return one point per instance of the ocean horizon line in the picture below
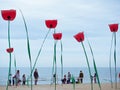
(58, 67)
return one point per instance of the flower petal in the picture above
(9, 50)
(57, 36)
(113, 27)
(51, 23)
(8, 14)
(79, 37)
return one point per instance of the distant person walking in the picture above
(81, 76)
(23, 79)
(94, 78)
(36, 76)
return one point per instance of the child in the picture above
(23, 79)
(64, 80)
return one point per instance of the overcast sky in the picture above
(90, 16)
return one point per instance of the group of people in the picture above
(67, 80)
(17, 81)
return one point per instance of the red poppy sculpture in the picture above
(28, 48)
(113, 28)
(8, 15)
(57, 37)
(80, 38)
(51, 24)
(9, 50)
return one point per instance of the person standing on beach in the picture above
(81, 76)
(54, 77)
(36, 76)
(69, 77)
(94, 78)
(23, 79)
(13, 80)
(64, 80)
(17, 77)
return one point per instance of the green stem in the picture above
(73, 81)
(9, 34)
(61, 60)
(110, 63)
(115, 60)
(31, 75)
(88, 65)
(95, 67)
(9, 72)
(15, 63)
(55, 63)
(39, 52)
(28, 46)
(53, 67)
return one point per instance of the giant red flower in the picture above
(57, 36)
(8, 14)
(113, 27)
(51, 23)
(79, 37)
(9, 50)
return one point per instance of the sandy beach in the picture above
(106, 86)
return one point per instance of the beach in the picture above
(104, 86)
(44, 82)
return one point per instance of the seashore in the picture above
(86, 86)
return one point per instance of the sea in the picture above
(46, 77)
